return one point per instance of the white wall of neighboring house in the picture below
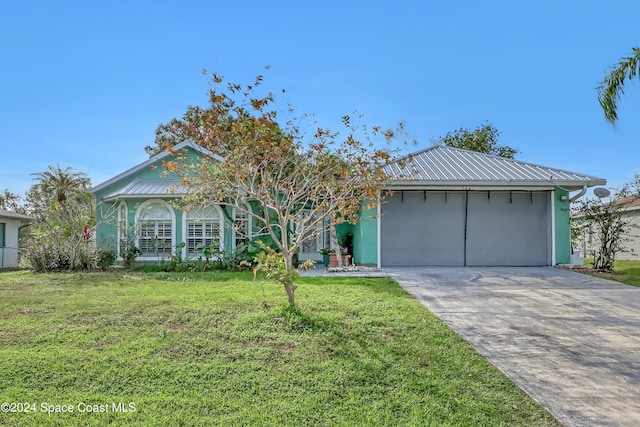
(588, 242)
(632, 245)
(9, 251)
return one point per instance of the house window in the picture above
(122, 228)
(315, 234)
(203, 227)
(155, 221)
(2, 231)
(241, 228)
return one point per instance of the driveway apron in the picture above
(571, 341)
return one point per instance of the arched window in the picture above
(154, 220)
(122, 227)
(203, 227)
(241, 228)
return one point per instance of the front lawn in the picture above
(625, 271)
(200, 349)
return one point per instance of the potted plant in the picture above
(346, 247)
(333, 256)
(325, 255)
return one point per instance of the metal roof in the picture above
(154, 159)
(440, 165)
(142, 188)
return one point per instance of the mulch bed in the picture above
(589, 270)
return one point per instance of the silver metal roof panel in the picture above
(154, 159)
(440, 164)
(142, 188)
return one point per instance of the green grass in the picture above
(624, 271)
(200, 349)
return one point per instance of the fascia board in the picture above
(405, 184)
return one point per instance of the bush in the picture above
(243, 258)
(60, 253)
(106, 259)
(42, 256)
(129, 252)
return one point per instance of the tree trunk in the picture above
(287, 282)
(290, 288)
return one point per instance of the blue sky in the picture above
(84, 83)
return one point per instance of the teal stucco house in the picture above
(141, 206)
(441, 206)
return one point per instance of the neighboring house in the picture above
(632, 243)
(442, 206)
(587, 242)
(10, 226)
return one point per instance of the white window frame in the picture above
(123, 226)
(185, 230)
(139, 213)
(320, 242)
(248, 231)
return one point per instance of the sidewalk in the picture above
(358, 271)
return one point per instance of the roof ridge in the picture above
(440, 163)
(406, 156)
(491, 156)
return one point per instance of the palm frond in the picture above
(612, 87)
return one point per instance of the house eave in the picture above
(117, 197)
(489, 185)
(15, 216)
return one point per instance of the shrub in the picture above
(129, 252)
(42, 256)
(243, 258)
(106, 259)
(54, 253)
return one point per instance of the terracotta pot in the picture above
(333, 260)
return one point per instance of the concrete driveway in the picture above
(571, 341)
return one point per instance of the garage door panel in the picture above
(510, 229)
(502, 228)
(419, 230)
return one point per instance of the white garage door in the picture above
(475, 228)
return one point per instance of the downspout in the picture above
(580, 194)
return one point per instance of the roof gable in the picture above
(130, 173)
(454, 166)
